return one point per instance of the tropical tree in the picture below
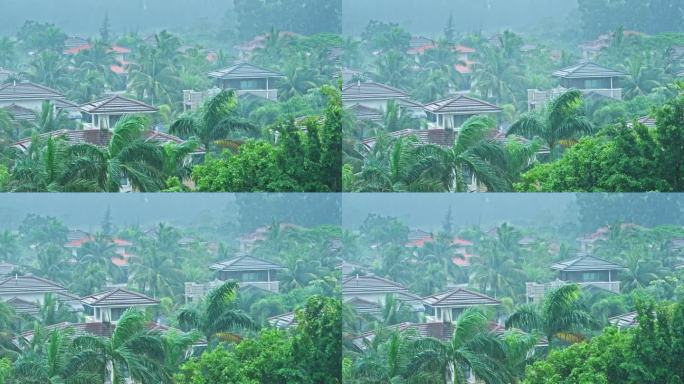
(127, 156)
(49, 69)
(472, 349)
(494, 75)
(50, 119)
(562, 122)
(217, 316)
(134, 351)
(218, 121)
(393, 69)
(560, 317)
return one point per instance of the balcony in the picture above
(193, 99)
(196, 291)
(535, 291)
(537, 99)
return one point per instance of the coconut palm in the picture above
(560, 317)
(7, 52)
(474, 156)
(98, 58)
(392, 69)
(218, 121)
(396, 118)
(49, 69)
(385, 359)
(217, 316)
(177, 158)
(473, 349)
(134, 351)
(494, 75)
(50, 119)
(128, 155)
(154, 272)
(641, 77)
(100, 252)
(153, 77)
(50, 358)
(561, 123)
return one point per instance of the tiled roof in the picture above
(365, 113)
(16, 91)
(28, 284)
(461, 105)
(98, 137)
(587, 70)
(245, 263)
(647, 121)
(6, 268)
(443, 137)
(118, 297)
(626, 320)
(283, 321)
(117, 105)
(20, 113)
(459, 298)
(364, 306)
(244, 71)
(586, 263)
(22, 306)
(370, 284)
(370, 90)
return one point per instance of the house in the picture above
(583, 270)
(19, 113)
(248, 270)
(7, 269)
(349, 268)
(648, 121)
(108, 306)
(244, 269)
(452, 112)
(588, 77)
(243, 77)
(448, 306)
(74, 41)
(363, 112)
(104, 113)
(376, 96)
(21, 290)
(248, 78)
(29, 95)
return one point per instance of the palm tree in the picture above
(397, 118)
(154, 272)
(128, 155)
(392, 69)
(9, 246)
(48, 68)
(385, 359)
(176, 158)
(297, 81)
(561, 122)
(53, 311)
(153, 77)
(561, 316)
(50, 119)
(7, 52)
(473, 349)
(641, 78)
(474, 155)
(218, 121)
(52, 359)
(217, 315)
(99, 253)
(494, 76)
(98, 58)
(134, 351)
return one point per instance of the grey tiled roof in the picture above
(20, 113)
(459, 298)
(244, 71)
(285, 320)
(370, 90)
(118, 297)
(626, 320)
(365, 113)
(27, 91)
(364, 306)
(587, 70)
(245, 263)
(353, 285)
(443, 137)
(117, 105)
(461, 105)
(22, 306)
(586, 263)
(98, 137)
(28, 284)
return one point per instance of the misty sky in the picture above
(428, 17)
(85, 16)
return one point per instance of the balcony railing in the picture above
(193, 99)
(537, 98)
(196, 291)
(536, 291)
